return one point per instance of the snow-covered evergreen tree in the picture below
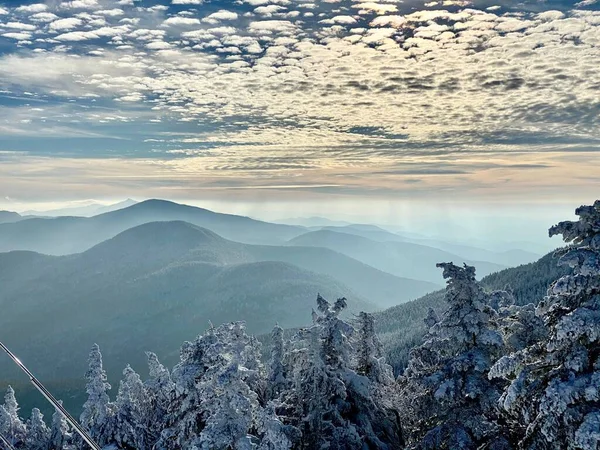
(12, 426)
(214, 406)
(230, 408)
(333, 404)
(97, 410)
(38, 433)
(128, 423)
(274, 435)
(554, 391)
(276, 378)
(60, 436)
(159, 390)
(448, 400)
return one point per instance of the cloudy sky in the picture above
(298, 100)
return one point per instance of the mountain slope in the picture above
(398, 258)
(148, 288)
(66, 235)
(9, 217)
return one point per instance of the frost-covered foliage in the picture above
(329, 401)
(555, 384)
(217, 387)
(97, 410)
(38, 433)
(159, 390)
(60, 436)
(276, 377)
(448, 401)
(12, 426)
(127, 427)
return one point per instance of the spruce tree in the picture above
(554, 394)
(60, 436)
(12, 426)
(448, 400)
(38, 433)
(97, 410)
(128, 423)
(159, 390)
(276, 378)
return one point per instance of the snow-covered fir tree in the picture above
(276, 378)
(12, 426)
(330, 402)
(127, 427)
(555, 384)
(159, 390)
(448, 401)
(60, 436)
(217, 385)
(97, 410)
(38, 433)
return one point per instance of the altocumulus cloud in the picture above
(353, 90)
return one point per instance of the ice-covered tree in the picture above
(128, 423)
(449, 401)
(12, 426)
(554, 392)
(333, 404)
(274, 435)
(276, 377)
(97, 410)
(159, 390)
(369, 352)
(214, 406)
(230, 408)
(60, 436)
(38, 433)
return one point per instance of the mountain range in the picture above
(161, 283)
(154, 273)
(66, 235)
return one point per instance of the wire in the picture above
(6, 443)
(46, 393)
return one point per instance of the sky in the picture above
(337, 104)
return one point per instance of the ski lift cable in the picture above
(6, 443)
(40, 387)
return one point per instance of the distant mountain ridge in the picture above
(9, 217)
(66, 235)
(398, 258)
(91, 209)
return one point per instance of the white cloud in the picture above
(378, 8)
(65, 24)
(18, 36)
(181, 21)
(271, 26)
(388, 21)
(187, 2)
(80, 4)
(221, 15)
(33, 8)
(115, 12)
(43, 17)
(19, 26)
